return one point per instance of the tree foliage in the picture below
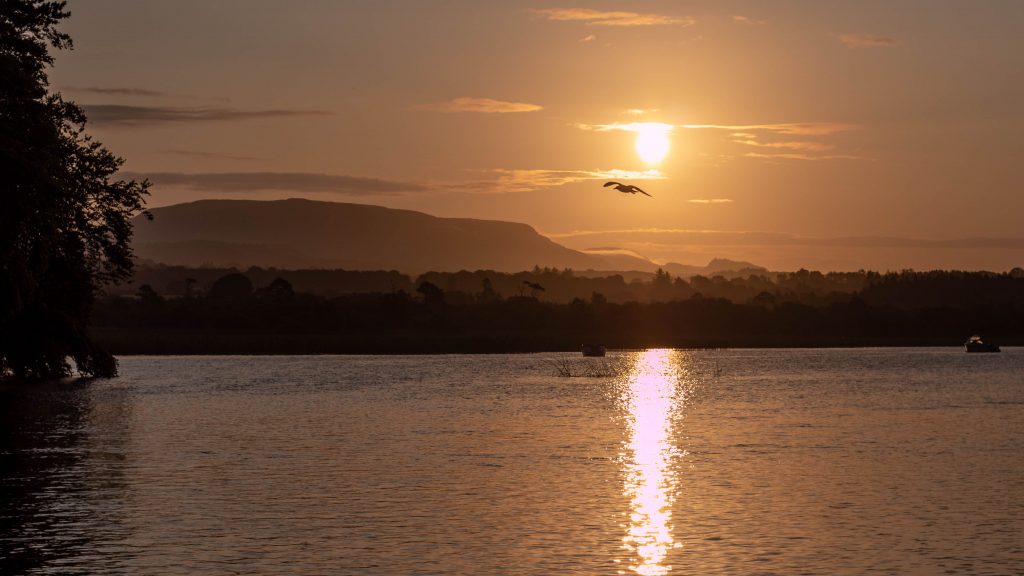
(65, 219)
(905, 308)
(231, 288)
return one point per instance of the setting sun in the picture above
(652, 142)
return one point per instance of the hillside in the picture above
(300, 233)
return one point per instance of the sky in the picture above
(823, 135)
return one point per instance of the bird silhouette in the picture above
(626, 188)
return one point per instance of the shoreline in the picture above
(252, 343)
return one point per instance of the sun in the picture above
(652, 143)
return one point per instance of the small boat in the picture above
(974, 344)
(593, 350)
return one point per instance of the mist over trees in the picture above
(65, 221)
(906, 289)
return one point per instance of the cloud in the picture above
(612, 250)
(501, 181)
(747, 134)
(239, 182)
(683, 236)
(528, 180)
(710, 201)
(747, 20)
(799, 156)
(141, 92)
(119, 115)
(588, 38)
(606, 18)
(791, 128)
(482, 105)
(115, 91)
(627, 126)
(780, 251)
(216, 155)
(866, 40)
(696, 236)
(805, 146)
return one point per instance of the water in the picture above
(892, 461)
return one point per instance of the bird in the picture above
(626, 188)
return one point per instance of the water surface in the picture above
(892, 461)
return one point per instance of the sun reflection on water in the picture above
(649, 396)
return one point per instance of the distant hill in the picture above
(717, 266)
(300, 233)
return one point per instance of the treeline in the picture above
(175, 281)
(901, 289)
(799, 309)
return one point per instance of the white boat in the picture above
(975, 344)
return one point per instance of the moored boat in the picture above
(975, 344)
(593, 350)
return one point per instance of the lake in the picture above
(831, 461)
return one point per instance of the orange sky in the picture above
(831, 135)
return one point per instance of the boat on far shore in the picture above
(593, 350)
(975, 344)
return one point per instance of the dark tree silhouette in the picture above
(534, 287)
(232, 287)
(432, 294)
(65, 221)
(487, 292)
(905, 308)
(149, 296)
(278, 291)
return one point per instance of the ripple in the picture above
(785, 462)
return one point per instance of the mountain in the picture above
(298, 233)
(717, 266)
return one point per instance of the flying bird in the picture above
(626, 188)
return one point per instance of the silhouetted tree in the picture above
(765, 299)
(431, 293)
(487, 292)
(278, 291)
(661, 286)
(534, 287)
(65, 221)
(149, 296)
(232, 287)
(906, 307)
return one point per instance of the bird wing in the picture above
(637, 189)
(607, 184)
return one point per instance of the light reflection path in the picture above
(650, 399)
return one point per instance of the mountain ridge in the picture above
(301, 233)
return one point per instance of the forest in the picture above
(263, 311)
